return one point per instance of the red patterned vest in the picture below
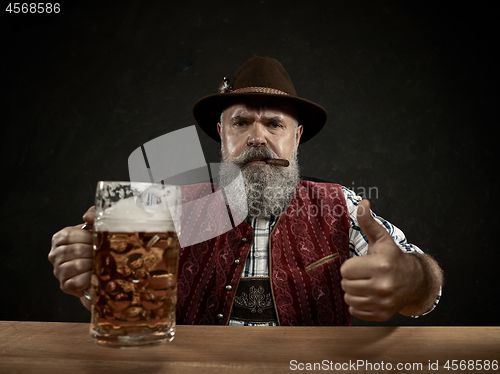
(308, 245)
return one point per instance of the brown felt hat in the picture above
(258, 77)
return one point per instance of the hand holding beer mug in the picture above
(134, 280)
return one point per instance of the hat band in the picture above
(266, 90)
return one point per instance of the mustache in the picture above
(252, 153)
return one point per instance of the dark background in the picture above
(410, 87)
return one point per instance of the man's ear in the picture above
(298, 134)
(219, 129)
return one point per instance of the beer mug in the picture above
(136, 250)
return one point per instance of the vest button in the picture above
(244, 240)
(229, 287)
(220, 316)
(237, 261)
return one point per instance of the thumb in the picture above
(89, 215)
(371, 228)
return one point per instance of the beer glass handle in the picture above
(89, 227)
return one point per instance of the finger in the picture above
(358, 302)
(71, 235)
(359, 267)
(371, 314)
(72, 252)
(67, 244)
(357, 287)
(71, 269)
(77, 284)
(373, 230)
(366, 315)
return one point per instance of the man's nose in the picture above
(257, 136)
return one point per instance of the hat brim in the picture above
(207, 112)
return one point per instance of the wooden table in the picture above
(47, 347)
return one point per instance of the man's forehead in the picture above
(261, 107)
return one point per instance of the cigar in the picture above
(277, 162)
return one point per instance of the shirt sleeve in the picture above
(358, 242)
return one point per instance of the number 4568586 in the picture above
(33, 8)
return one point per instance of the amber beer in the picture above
(134, 280)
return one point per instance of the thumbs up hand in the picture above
(382, 283)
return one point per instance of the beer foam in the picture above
(126, 216)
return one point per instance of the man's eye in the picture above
(275, 125)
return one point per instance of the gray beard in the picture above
(267, 190)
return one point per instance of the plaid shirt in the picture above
(257, 263)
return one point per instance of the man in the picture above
(290, 262)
